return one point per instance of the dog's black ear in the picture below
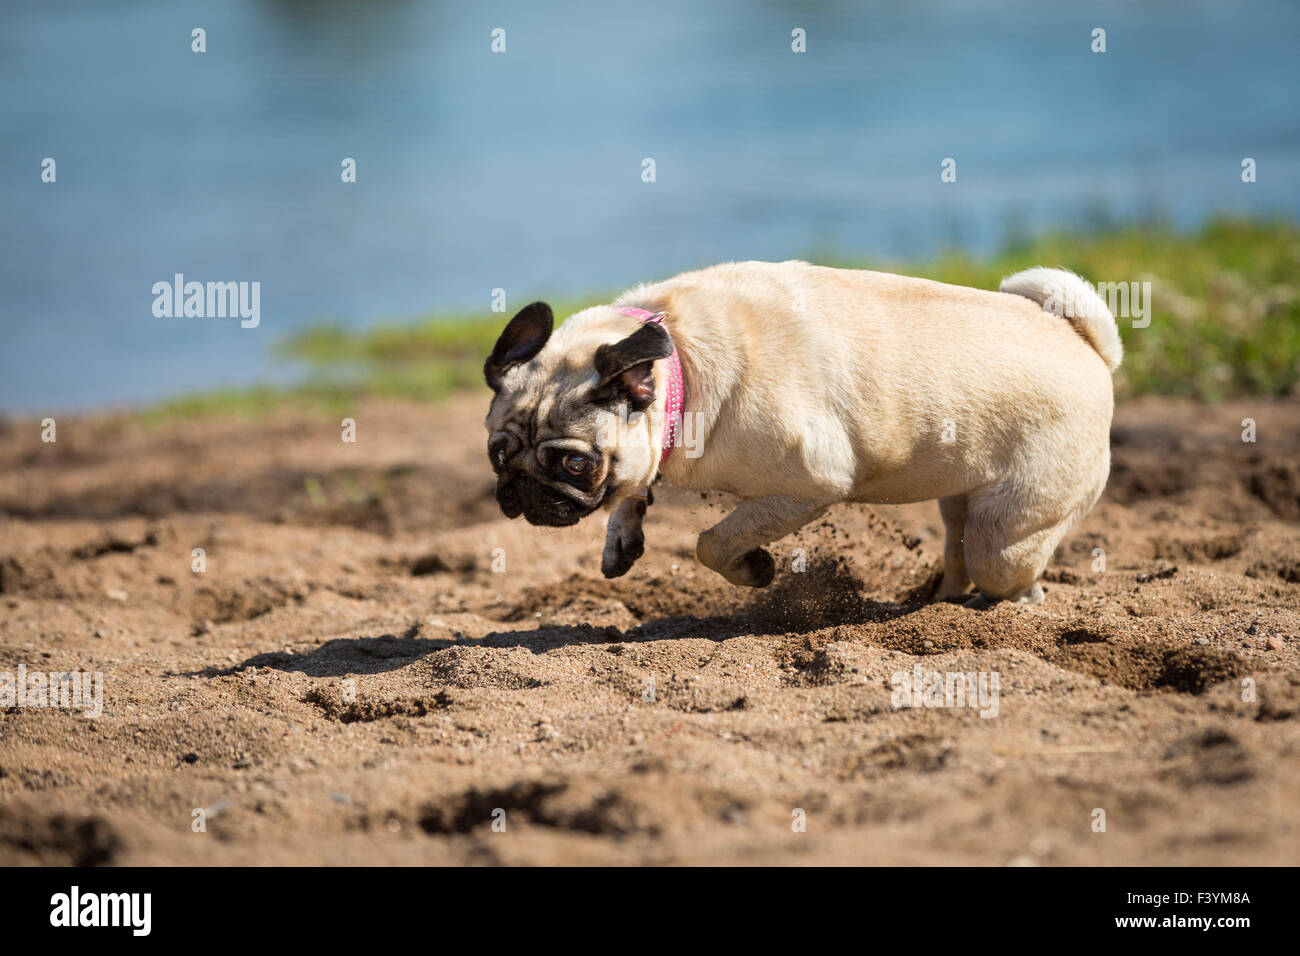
(522, 339)
(626, 368)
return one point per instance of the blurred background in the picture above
(522, 171)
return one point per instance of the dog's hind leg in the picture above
(734, 546)
(955, 578)
(1009, 541)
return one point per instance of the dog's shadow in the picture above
(828, 595)
(340, 657)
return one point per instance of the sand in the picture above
(376, 667)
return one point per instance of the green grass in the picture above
(1225, 321)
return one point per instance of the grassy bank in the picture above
(1225, 302)
(1224, 321)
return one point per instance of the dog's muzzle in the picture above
(520, 494)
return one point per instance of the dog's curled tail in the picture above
(1069, 296)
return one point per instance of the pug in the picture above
(792, 387)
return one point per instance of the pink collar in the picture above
(676, 386)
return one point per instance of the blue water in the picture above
(522, 170)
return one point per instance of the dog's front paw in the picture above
(621, 553)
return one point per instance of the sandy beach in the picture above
(374, 666)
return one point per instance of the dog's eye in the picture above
(575, 464)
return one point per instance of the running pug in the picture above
(805, 386)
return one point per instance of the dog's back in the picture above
(866, 374)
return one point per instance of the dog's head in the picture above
(564, 433)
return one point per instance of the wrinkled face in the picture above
(554, 439)
(548, 464)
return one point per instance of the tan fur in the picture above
(811, 385)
